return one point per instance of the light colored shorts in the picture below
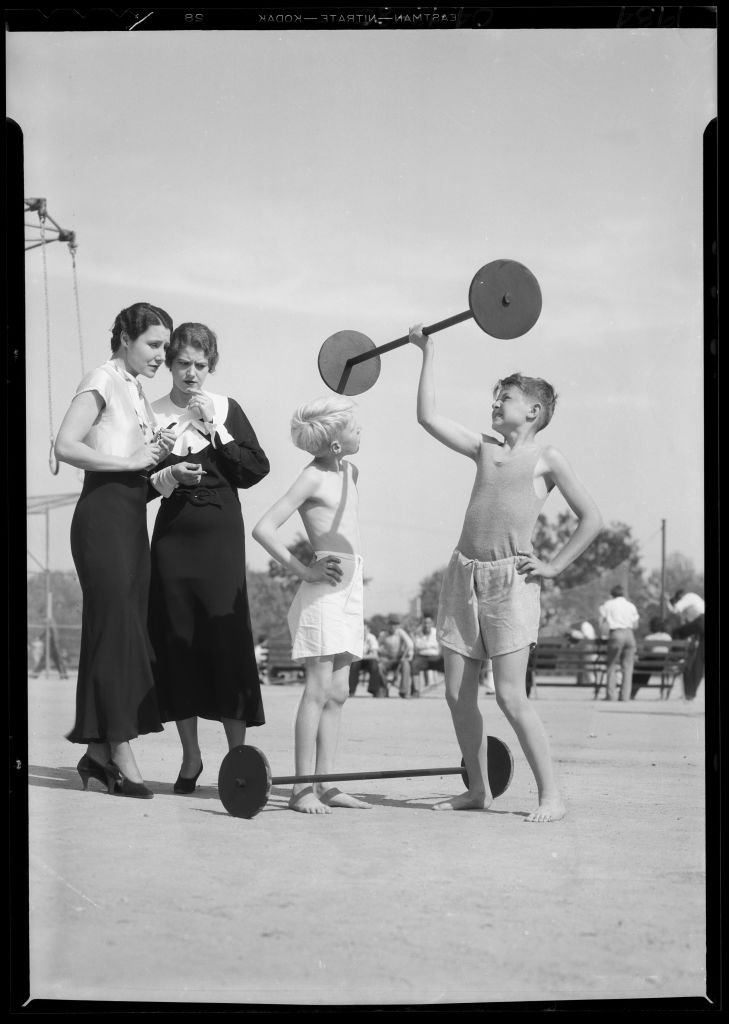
(329, 620)
(487, 608)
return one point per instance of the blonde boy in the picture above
(326, 618)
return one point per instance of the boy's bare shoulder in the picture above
(553, 457)
(488, 439)
(308, 480)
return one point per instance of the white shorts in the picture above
(325, 620)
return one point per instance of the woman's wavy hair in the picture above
(197, 336)
(135, 319)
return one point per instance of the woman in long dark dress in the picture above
(109, 432)
(205, 663)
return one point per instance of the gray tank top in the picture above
(503, 509)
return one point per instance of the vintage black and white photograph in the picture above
(365, 431)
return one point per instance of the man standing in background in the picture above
(620, 618)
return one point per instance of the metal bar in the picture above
(441, 325)
(345, 376)
(35, 227)
(285, 780)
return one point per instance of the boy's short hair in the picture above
(536, 388)
(316, 424)
(617, 591)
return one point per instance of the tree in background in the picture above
(614, 546)
(429, 592)
(577, 593)
(66, 604)
(268, 603)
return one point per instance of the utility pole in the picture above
(49, 598)
(663, 567)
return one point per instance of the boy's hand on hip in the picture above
(325, 570)
(532, 568)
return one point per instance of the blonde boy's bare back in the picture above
(330, 513)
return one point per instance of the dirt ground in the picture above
(174, 900)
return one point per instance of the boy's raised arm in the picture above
(450, 433)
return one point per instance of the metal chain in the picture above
(52, 460)
(78, 311)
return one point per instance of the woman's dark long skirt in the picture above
(200, 625)
(115, 695)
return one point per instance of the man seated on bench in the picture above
(583, 636)
(690, 610)
(370, 664)
(428, 656)
(641, 677)
(396, 653)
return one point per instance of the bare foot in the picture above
(307, 801)
(334, 797)
(548, 810)
(465, 802)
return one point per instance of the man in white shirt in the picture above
(428, 655)
(687, 606)
(620, 617)
(690, 609)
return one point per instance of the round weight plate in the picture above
(500, 766)
(505, 299)
(335, 373)
(244, 781)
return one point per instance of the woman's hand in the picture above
(533, 567)
(327, 570)
(187, 472)
(166, 439)
(201, 405)
(145, 457)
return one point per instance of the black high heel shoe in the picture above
(184, 785)
(108, 775)
(125, 787)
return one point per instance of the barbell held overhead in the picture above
(504, 299)
(245, 780)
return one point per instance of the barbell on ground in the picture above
(245, 780)
(504, 299)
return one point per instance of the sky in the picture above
(281, 187)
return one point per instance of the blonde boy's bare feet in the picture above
(548, 810)
(307, 802)
(334, 797)
(464, 802)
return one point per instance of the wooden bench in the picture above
(585, 663)
(280, 666)
(555, 658)
(661, 660)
